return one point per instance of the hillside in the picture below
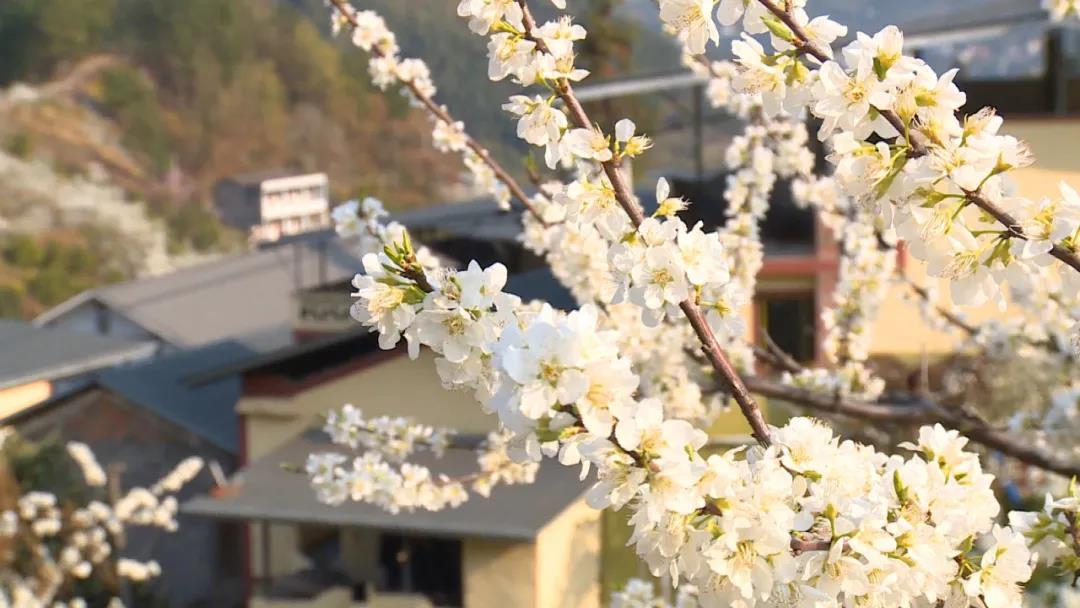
(458, 58)
(201, 89)
(118, 116)
(69, 215)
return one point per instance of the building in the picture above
(142, 420)
(37, 364)
(246, 297)
(271, 204)
(532, 545)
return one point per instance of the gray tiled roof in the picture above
(480, 219)
(245, 296)
(265, 491)
(163, 387)
(992, 13)
(29, 353)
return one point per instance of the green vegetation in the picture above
(246, 85)
(194, 227)
(23, 251)
(20, 145)
(43, 466)
(11, 302)
(44, 272)
(219, 87)
(37, 35)
(129, 98)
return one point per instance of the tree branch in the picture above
(624, 196)
(949, 316)
(918, 148)
(1015, 231)
(441, 113)
(918, 412)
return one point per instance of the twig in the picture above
(917, 147)
(441, 113)
(1015, 231)
(776, 354)
(948, 315)
(710, 346)
(921, 411)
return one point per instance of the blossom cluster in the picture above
(940, 182)
(382, 476)
(394, 437)
(804, 518)
(61, 544)
(734, 524)
(810, 516)
(578, 254)
(1053, 532)
(601, 249)
(1061, 10)
(656, 262)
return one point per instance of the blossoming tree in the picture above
(622, 386)
(61, 539)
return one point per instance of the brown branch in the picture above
(918, 412)
(805, 46)
(624, 196)
(776, 355)
(948, 315)
(917, 148)
(441, 113)
(1014, 229)
(799, 545)
(829, 404)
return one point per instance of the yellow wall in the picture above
(1053, 140)
(17, 398)
(900, 329)
(500, 574)
(568, 559)
(396, 387)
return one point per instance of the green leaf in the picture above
(778, 29)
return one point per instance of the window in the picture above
(431, 566)
(790, 320)
(102, 318)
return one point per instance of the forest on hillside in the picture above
(166, 97)
(217, 87)
(196, 90)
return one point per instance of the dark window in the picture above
(102, 319)
(790, 319)
(430, 566)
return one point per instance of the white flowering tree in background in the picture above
(62, 537)
(623, 386)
